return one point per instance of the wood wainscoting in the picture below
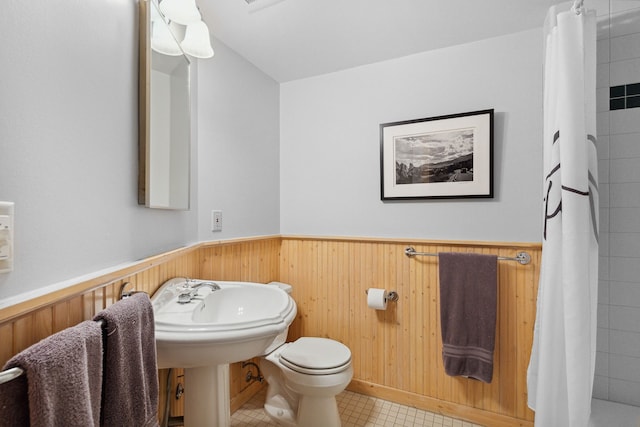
(253, 259)
(396, 353)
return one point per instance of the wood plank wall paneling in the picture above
(400, 348)
(396, 353)
(243, 259)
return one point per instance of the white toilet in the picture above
(304, 378)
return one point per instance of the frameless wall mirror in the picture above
(165, 117)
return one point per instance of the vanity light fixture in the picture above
(196, 41)
(183, 12)
(187, 28)
(162, 38)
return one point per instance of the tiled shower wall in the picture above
(618, 357)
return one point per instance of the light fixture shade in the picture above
(196, 41)
(162, 40)
(183, 12)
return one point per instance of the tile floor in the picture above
(356, 410)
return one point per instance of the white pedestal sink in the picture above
(216, 323)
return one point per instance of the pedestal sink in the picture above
(202, 326)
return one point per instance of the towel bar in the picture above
(13, 373)
(522, 257)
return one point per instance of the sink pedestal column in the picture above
(206, 396)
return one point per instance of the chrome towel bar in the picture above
(13, 373)
(522, 257)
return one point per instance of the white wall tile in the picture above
(624, 367)
(604, 190)
(625, 343)
(603, 171)
(602, 75)
(602, 340)
(603, 316)
(625, 47)
(624, 146)
(604, 220)
(601, 387)
(602, 146)
(619, 187)
(603, 244)
(623, 72)
(624, 318)
(602, 363)
(625, 293)
(602, 51)
(602, 99)
(602, 123)
(625, 23)
(625, 245)
(625, 195)
(624, 121)
(603, 292)
(624, 170)
(624, 270)
(624, 391)
(624, 220)
(603, 268)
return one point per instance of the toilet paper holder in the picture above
(391, 296)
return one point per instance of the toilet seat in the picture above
(316, 356)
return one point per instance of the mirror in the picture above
(165, 116)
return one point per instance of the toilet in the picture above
(304, 378)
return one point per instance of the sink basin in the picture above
(203, 326)
(239, 321)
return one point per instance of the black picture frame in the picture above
(443, 157)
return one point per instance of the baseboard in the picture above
(245, 395)
(449, 409)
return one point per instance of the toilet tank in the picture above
(282, 337)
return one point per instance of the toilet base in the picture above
(312, 412)
(318, 412)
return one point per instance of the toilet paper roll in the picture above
(377, 298)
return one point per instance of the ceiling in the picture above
(294, 39)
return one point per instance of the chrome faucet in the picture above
(192, 291)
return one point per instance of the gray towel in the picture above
(130, 396)
(14, 403)
(63, 379)
(468, 305)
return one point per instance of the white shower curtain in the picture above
(562, 364)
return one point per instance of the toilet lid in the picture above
(311, 355)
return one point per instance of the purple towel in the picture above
(14, 403)
(62, 383)
(130, 372)
(468, 305)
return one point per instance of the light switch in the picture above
(216, 220)
(5, 223)
(5, 251)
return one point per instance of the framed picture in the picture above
(438, 157)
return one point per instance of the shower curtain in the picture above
(562, 364)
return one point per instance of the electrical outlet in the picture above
(216, 220)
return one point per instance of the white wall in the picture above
(68, 143)
(330, 144)
(238, 158)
